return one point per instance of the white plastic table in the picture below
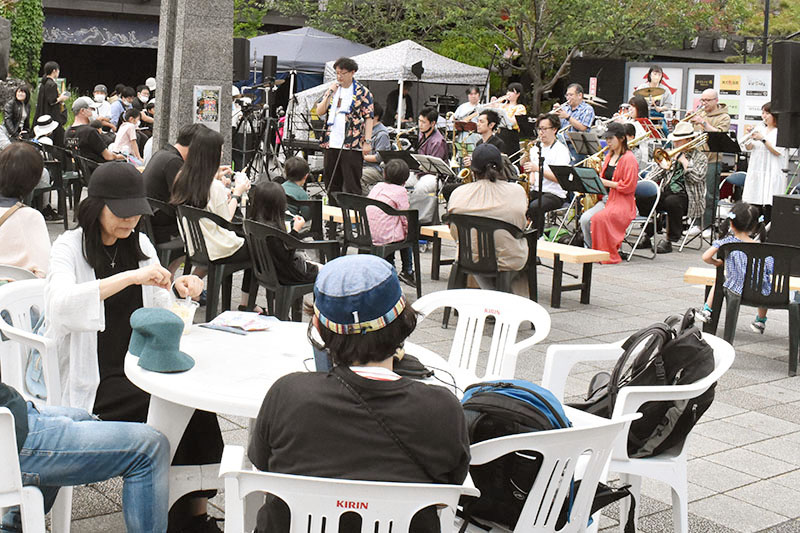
(231, 375)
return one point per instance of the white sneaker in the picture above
(707, 233)
(694, 230)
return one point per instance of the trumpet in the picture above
(700, 112)
(665, 159)
(750, 135)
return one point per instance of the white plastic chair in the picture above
(669, 467)
(316, 504)
(17, 299)
(473, 306)
(562, 450)
(11, 490)
(15, 273)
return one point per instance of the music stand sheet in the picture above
(586, 143)
(578, 179)
(429, 164)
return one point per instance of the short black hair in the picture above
(473, 89)
(131, 113)
(491, 117)
(140, 88)
(128, 92)
(186, 134)
(630, 129)
(554, 121)
(118, 88)
(577, 86)
(374, 346)
(345, 63)
(396, 172)
(49, 67)
(296, 168)
(430, 113)
(377, 110)
(21, 168)
(96, 124)
(516, 87)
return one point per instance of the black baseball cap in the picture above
(121, 187)
(614, 129)
(484, 155)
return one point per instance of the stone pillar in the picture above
(5, 46)
(195, 47)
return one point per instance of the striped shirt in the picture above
(584, 114)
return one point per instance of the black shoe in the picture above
(51, 215)
(664, 247)
(645, 243)
(407, 278)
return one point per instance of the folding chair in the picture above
(644, 189)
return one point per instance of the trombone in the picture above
(665, 159)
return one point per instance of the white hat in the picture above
(683, 130)
(44, 125)
(151, 83)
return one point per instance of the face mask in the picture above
(144, 99)
(99, 98)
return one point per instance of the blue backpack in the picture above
(495, 409)
(507, 407)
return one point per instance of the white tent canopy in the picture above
(390, 64)
(393, 63)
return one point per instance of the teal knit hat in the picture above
(156, 336)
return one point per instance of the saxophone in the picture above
(525, 178)
(465, 176)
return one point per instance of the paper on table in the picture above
(244, 320)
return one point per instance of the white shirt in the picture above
(556, 154)
(341, 103)
(74, 313)
(104, 110)
(464, 110)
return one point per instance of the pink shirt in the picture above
(126, 136)
(386, 228)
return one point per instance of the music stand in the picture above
(585, 142)
(527, 128)
(405, 155)
(429, 164)
(578, 179)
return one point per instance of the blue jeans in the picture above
(67, 447)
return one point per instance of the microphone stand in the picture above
(540, 227)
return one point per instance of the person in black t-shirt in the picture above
(315, 423)
(159, 175)
(50, 102)
(90, 143)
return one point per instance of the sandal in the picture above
(255, 309)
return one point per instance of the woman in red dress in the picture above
(619, 174)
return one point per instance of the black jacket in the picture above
(12, 117)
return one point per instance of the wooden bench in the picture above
(561, 253)
(708, 276)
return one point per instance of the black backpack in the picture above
(674, 353)
(494, 409)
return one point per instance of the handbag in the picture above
(427, 205)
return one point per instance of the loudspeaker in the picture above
(785, 77)
(269, 67)
(241, 58)
(789, 130)
(785, 220)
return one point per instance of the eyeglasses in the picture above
(544, 129)
(707, 99)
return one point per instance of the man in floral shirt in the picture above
(348, 131)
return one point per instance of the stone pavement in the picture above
(744, 467)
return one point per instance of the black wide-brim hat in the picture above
(122, 189)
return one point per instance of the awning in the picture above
(101, 31)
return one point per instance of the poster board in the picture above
(206, 101)
(743, 88)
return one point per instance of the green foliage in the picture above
(27, 22)
(247, 17)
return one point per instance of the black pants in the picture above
(242, 255)
(549, 202)
(675, 204)
(342, 171)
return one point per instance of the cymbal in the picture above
(595, 103)
(596, 99)
(649, 92)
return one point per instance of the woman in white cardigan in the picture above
(99, 275)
